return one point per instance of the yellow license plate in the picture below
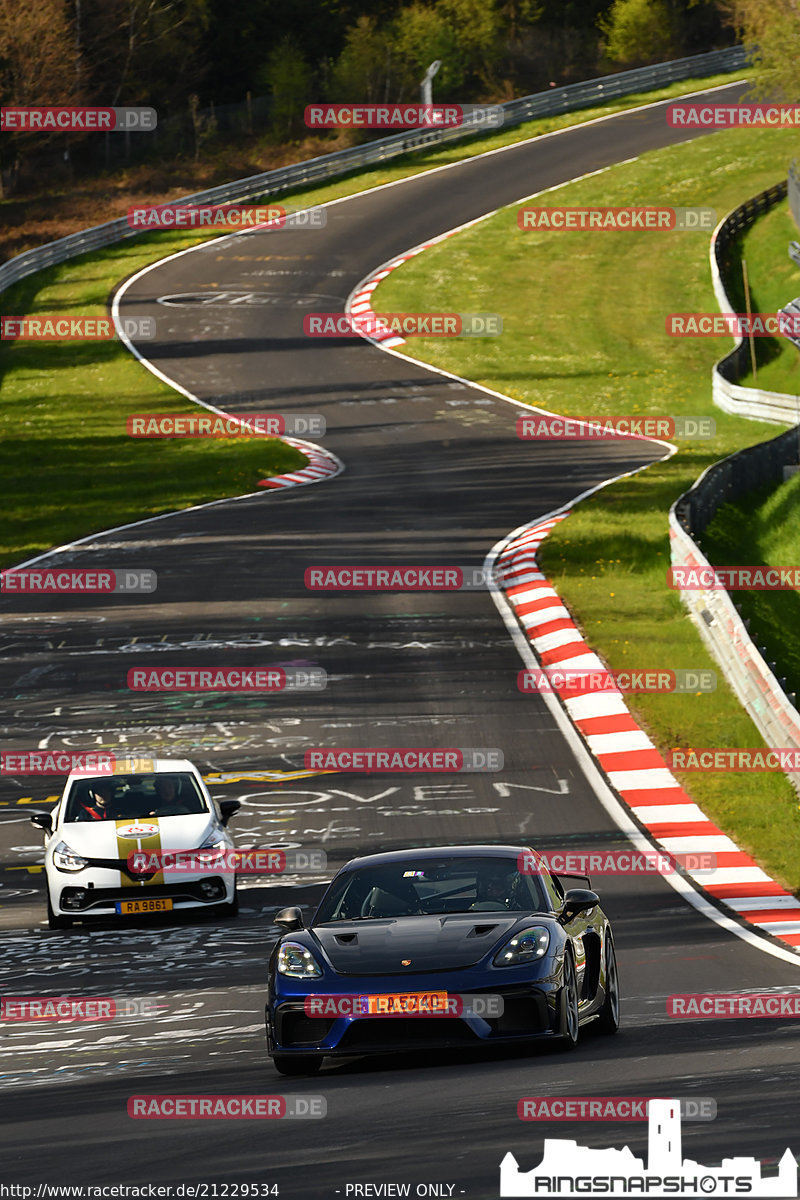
(143, 906)
(398, 1004)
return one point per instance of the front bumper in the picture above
(88, 894)
(530, 1011)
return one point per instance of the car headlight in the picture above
(67, 860)
(212, 849)
(297, 961)
(524, 947)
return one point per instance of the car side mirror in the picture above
(43, 820)
(577, 901)
(289, 919)
(227, 808)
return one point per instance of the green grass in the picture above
(584, 333)
(760, 528)
(67, 466)
(774, 280)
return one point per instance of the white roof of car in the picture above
(134, 765)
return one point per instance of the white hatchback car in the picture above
(102, 821)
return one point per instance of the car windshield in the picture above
(442, 885)
(132, 797)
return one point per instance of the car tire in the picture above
(297, 1064)
(55, 920)
(608, 1018)
(568, 1004)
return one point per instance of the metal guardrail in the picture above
(713, 612)
(553, 102)
(779, 408)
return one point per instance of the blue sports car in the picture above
(440, 947)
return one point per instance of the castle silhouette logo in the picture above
(568, 1169)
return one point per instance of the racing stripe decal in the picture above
(138, 835)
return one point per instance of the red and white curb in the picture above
(321, 465)
(630, 761)
(359, 302)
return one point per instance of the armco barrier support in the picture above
(317, 170)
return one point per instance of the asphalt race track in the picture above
(434, 475)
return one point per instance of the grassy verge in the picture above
(761, 528)
(774, 280)
(68, 467)
(584, 333)
(67, 464)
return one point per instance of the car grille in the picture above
(398, 1033)
(94, 897)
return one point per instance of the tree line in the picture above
(178, 54)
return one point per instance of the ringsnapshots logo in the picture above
(225, 425)
(733, 116)
(56, 762)
(607, 1108)
(622, 219)
(581, 682)
(714, 759)
(226, 1108)
(402, 116)
(404, 759)
(73, 582)
(689, 578)
(406, 1004)
(383, 325)
(568, 1170)
(65, 327)
(735, 325)
(68, 119)
(548, 427)
(70, 1009)
(255, 861)
(615, 862)
(226, 679)
(399, 579)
